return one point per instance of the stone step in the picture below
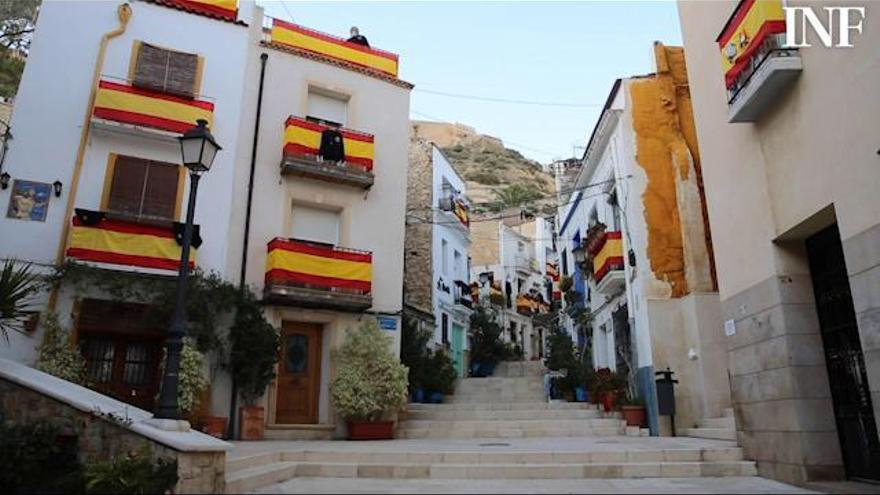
(503, 406)
(728, 412)
(519, 368)
(686, 454)
(511, 424)
(533, 397)
(525, 414)
(713, 433)
(723, 423)
(254, 478)
(456, 433)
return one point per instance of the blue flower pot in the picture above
(489, 369)
(418, 396)
(580, 394)
(436, 397)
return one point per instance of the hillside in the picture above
(491, 170)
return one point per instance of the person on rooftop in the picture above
(357, 37)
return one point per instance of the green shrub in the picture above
(371, 381)
(37, 458)
(440, 374)
(253, 351)
(414, 352)
(133, 474)
(57, 355)
(487, 348)
(192, 377)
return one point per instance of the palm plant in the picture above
(18, 286)
(515, 195)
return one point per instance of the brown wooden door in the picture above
(299, 374)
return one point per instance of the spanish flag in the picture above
(313, 265)
(131, 105)
(609, 256)
(751, 23)
(302, 137)
(227, 9)
(461, 211)
(297, 36)
(103, 240)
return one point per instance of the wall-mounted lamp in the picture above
(57, 185)
(4, 180)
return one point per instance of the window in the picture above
(513, 332)
(315, 224)
(143, 188)
(520, 246)
(444, 328)
(165, 70)
(456, 265)
(520, 285)
(564, 258)
(328, 107)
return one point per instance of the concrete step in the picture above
(723, 423)
(728, 412)
(495, 397)
(493, 432)
(519, 368)
(512, 424)
(503, 406)
(525, 414)
(251, 479)
(713, 433)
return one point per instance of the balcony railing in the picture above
(463, 294)
(332, 47)
(456, 204)
(101, 237)
(756, 63)
(302, 154)
(527, 304)
(126, 104)
(311, 275)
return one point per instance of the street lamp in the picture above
(579, 254)
(198, 148)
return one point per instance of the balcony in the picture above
(302, 148)
(311, 275)
(102, 237)
(463, 294)
(529, 305)
(121, 106)
(332, 48)
(456, 204)
(608, 269)
(757, 65)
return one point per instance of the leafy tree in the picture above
(18, 286)
(17, 23)
(488, 348)
(253, 351)
(414, 352)
(515, 195)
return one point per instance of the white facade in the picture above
(451, 259)
(52, 102)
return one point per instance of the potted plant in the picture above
(487, 349)
(252, 358)
(370, 384)
(634, 411)
(608, 385)
(440, 376)
(414, 354)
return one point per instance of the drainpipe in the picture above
(124, 14)
(247, 222)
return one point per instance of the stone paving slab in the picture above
(644, 485)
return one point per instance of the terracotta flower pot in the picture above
(609, 400)
(634, 415)
(214, 426)
(252, 422)
(370, 430)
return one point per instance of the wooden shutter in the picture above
(160, 193)
(144, 188)
(167, 71)
(127, 188)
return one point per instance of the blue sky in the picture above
(558, 52)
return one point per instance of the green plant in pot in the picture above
(252, 358)
(487, 348)
(370, 385)
(414, 354)
(439, 376)
(607, 386)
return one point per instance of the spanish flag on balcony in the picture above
(130, 105)
(609, 255)
(297, 36)
(460, 209)
(302, 137)
(749, 26)
(317, 266)
(99, 239)
(227, 9)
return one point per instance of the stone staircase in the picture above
(723, 428)
(500, 427)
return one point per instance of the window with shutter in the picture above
(167, 71)
(144, 188)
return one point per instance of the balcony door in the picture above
(299, 373)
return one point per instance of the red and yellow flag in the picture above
(297, 36)
(131, 105)
(302, 137)
(227, 9)
(304, 263)
(609, 256)
(126, 243)
(460, 209)
(751, 23)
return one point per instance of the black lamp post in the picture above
(198, 148)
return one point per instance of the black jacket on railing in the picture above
(332, 146)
